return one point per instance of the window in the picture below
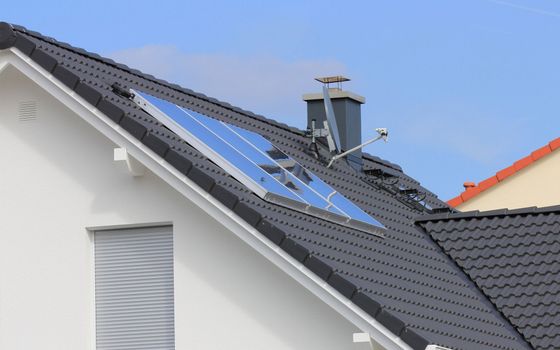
(134, 301)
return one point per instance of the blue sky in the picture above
(466, 87)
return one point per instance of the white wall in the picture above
(57, 177)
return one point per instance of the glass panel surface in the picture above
(262, 160)
(340, 202)
(285, 161)
(353, 210)
(227, 151)
(256, 158)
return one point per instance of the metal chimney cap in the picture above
(333, 79)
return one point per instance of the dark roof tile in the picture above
(554, 208)
(512, 255)
(224, 196)
(25, 45)
(413, 339)
(342, 285)
(366, 303)
(66, 76)
(271, 232)
(388, 270)
(179, 160)
(88, 93)
(318, 267)
(206, 182)
(133, 126)
(156, 144)
(393, 323)
(110, 109)
(296, 250)
(44, 60)
(7, 36)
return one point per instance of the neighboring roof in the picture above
(404, 280)
(503, 174)
(513, 256)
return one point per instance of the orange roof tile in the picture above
(501, 175)
(489, 182)
(505, 173)
(523, 162)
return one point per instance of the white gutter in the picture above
(202, 199)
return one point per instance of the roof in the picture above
(404, 280)
(472, 191)
(512, 255)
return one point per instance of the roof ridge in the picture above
(490, 213)
(181, 89)
(471, 192)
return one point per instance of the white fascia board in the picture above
(202, 199)
(3, 63)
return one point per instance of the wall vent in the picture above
(27, 111)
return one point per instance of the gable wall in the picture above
(536, 185)
(58, 178)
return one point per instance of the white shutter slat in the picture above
(134, 293)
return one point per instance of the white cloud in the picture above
(262, 84)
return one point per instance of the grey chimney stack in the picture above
(347, 110)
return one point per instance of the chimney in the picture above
(347, 111)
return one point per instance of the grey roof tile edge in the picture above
(489, 213)
(11, 38)
(7, 36)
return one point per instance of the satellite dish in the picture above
(330, 128)
(331, 120)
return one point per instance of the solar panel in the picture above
(310, 179)
(263, 161)
(258, 164)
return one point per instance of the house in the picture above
(120, 232)
(511, 255)
(530, 181)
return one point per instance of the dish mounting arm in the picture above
(383, 134)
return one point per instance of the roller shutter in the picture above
(134, 289)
